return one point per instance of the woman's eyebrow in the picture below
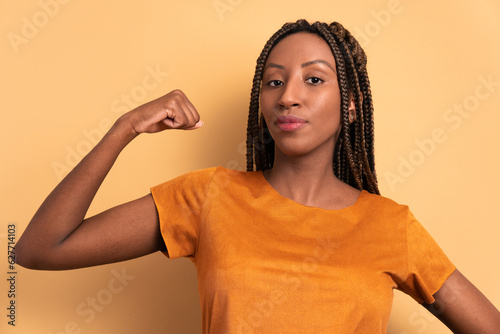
(281, 67)
(318, 61)
(309, 63)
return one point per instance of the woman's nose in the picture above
(291, 95)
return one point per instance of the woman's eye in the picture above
(275, 83)
(314, 80)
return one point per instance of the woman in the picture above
(303, 244)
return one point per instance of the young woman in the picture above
(302, 242)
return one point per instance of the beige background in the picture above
(64, 80)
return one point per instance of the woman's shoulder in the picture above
(207, 175)
(223, 172)
(382, 205)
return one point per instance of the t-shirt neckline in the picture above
(270, 188)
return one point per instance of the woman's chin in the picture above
(301, 148)
(295, 151)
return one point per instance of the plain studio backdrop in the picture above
(69, 69)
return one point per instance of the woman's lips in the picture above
(290, 122)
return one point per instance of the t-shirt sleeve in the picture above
(427, 265)
(179, 203)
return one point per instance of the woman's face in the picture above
(300, 97)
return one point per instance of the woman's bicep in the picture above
(121, 233)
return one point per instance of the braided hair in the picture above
(353, 156)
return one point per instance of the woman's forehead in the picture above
(302, 46)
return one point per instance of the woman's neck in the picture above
(307, 180)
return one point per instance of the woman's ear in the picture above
(352, 110)
(352, 107)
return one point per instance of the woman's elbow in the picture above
(26, 257)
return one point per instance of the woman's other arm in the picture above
(463, 308)
(58, 236)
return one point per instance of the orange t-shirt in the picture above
(267, 264)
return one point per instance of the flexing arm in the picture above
(58, 236)
(463, 308)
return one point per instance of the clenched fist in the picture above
(171, 111)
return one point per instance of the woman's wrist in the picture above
(122, 129)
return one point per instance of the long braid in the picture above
(357, 62)
(369, 130)
(353, 158)
(359, 140)
(344, 86)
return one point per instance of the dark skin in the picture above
(302, 82)
(58, 237)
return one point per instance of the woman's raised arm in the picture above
(58, 236)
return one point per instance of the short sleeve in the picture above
(179, 203)
(427, 265)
